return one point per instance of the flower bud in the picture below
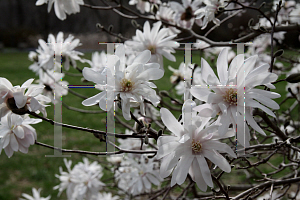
(293, 78)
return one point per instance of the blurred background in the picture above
(23, 23)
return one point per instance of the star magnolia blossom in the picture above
(81, 182)
(16, 134)
(209, 12)
(157, 41)
(130, 83)
(138, 176)
(36, 195)
(226, 97)
(62, 7)
(12, 98)
(167, 14)
(189, 148)
(185, 12)
(63, 50)
(143, 6)
(52, 83)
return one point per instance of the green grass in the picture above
(21, 172)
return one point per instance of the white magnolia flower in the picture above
(16, 134)
(62, 50)
(99, 60)
(105, 196)
(189, 148)
(157, 41)
(36, 195)
(138, 175)
(185, 12)
(143, 6)
(209, 12)
(167, 14)
(81, 182)
(295, 14)
(53, 83)
(62, 7)
(12, 98)
(225, 98)
(131, 83)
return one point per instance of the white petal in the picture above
(151, 74)
(146, 182)
(171, 122)
(252, 123)
(34, 104)
(27, 83)
(205, 110)
(94, 76)
(164, 172)
(206, 71)
(152, 179)
(198, 176)
(94, 99)
(20, 99)
(235, 65)
(216, 145)
(143, 57)
(253, 103)
(19, 131)
(218, 160)
(14, 143)
(166, 149)
(184, 165)
(59, 11)
(9, 151)
(263, 99)
(222, 65)
(166, 139)
(205, 170)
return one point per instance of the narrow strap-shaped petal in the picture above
(171, 122)
(205, 170)
(218, 160)
(198, 176)
(184, 165)
(222, 65)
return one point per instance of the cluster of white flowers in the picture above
(136, 175)
(81, 182)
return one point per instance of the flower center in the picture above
(188, 14)
(230, 96)
(152, 48)
(126, 85)
(196, 146)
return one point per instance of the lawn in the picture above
(21, 172)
